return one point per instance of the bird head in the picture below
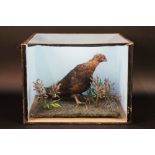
(100, 57)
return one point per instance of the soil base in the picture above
(69, 109)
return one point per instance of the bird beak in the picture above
(105, 59)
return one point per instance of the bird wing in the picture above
(75, 80)
(78, 72)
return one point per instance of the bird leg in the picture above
(78, 102)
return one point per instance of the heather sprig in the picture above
(99, 90)
(54, 90)
(40, 89)
(43, 95)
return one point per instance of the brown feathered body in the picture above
(78, 79)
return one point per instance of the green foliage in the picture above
(90, 95)
(49, 104)
(55, 104)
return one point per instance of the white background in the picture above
(79, 12)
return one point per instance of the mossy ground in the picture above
(68, 109)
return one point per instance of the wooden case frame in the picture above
(130, 44)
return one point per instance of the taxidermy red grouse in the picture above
(78, 79)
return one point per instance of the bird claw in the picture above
(79, 103)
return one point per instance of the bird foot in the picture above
(79, 102)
